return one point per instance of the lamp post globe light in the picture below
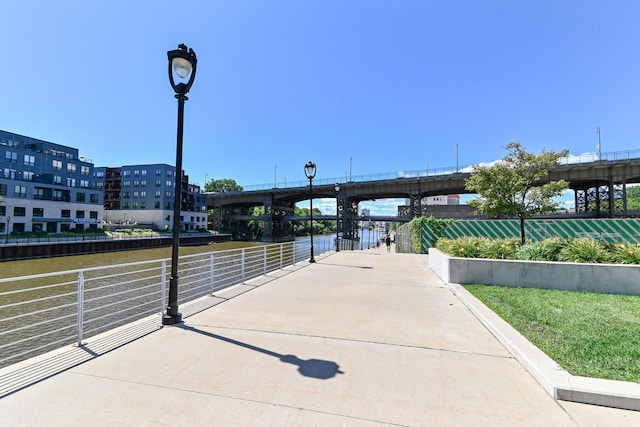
(310, 172)
(182, 73)
(337, 188)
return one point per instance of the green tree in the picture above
(633, 198)
(517, 185)
(224, 185)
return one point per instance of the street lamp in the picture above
(182, 72)
(337, 188)
(310, 172)
(354, 223)
(361, 230)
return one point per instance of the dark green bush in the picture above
(585, 250)
(625, 253)
(544, 250)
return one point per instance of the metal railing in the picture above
(45, 312)
(577, 159)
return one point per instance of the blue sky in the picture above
(359, 87)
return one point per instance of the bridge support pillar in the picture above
(276, 227)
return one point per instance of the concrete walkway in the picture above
(364, 338)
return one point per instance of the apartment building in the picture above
(143, 195)
(45, 187)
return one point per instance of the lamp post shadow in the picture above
(312, 368)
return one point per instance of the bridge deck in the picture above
(359, 338)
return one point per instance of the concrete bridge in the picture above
(594, 181)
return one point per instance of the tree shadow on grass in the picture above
(313, 368)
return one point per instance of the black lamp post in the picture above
(182, 65)
(337, 188)
(361, 230)
(310, 172)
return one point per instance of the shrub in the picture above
(464, 247)
(544, 250)
(625, 253)
(585, 250)
(500, 249)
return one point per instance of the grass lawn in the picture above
(588, 334)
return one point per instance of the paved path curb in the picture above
(559, 383)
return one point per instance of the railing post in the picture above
(211, 272)
(293, 252)
(242, 265)
(163, 286)
(265, 259)
(281, 255)
(80, 314)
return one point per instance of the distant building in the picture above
(449, 199)
(143, 195)
(45, 187)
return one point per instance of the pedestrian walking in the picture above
(387, 240)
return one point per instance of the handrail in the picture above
(54, 311)
(581, 159)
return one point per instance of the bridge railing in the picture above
(45, 312)
(584, 158)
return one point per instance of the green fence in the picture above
(608, 230)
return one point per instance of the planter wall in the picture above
(601, 278)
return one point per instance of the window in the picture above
(136, 183)
(71, 167)
(143, 183)
(59, 196)
(143, 205)
(3, 189)
(136, 205)
(27, 176)
(57, 165)
(156, 205)
(38, 212)
(84, 170)
(3, 210)
(143, 194)
(84, 183)
(143, 172)
(71, 182)
(20, 191)
(125, 205)
(169, 182)
(99, 174)
(168, 173)
(158, 172)
(11, 156)
(79, 214)
(125, 194)
(93, 214)
(19, 211)
(136, 173)
(65, 213)
(126, 173)
(80, 197)
(158, 194)
(29, 160)
(57, 179)
(93, 198)
(158, 183)
(135, 194)
(126, 183)
(38, 193)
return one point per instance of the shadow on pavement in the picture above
(313, 368)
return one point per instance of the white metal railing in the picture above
(44, 312)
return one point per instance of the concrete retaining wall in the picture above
(600, 278)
